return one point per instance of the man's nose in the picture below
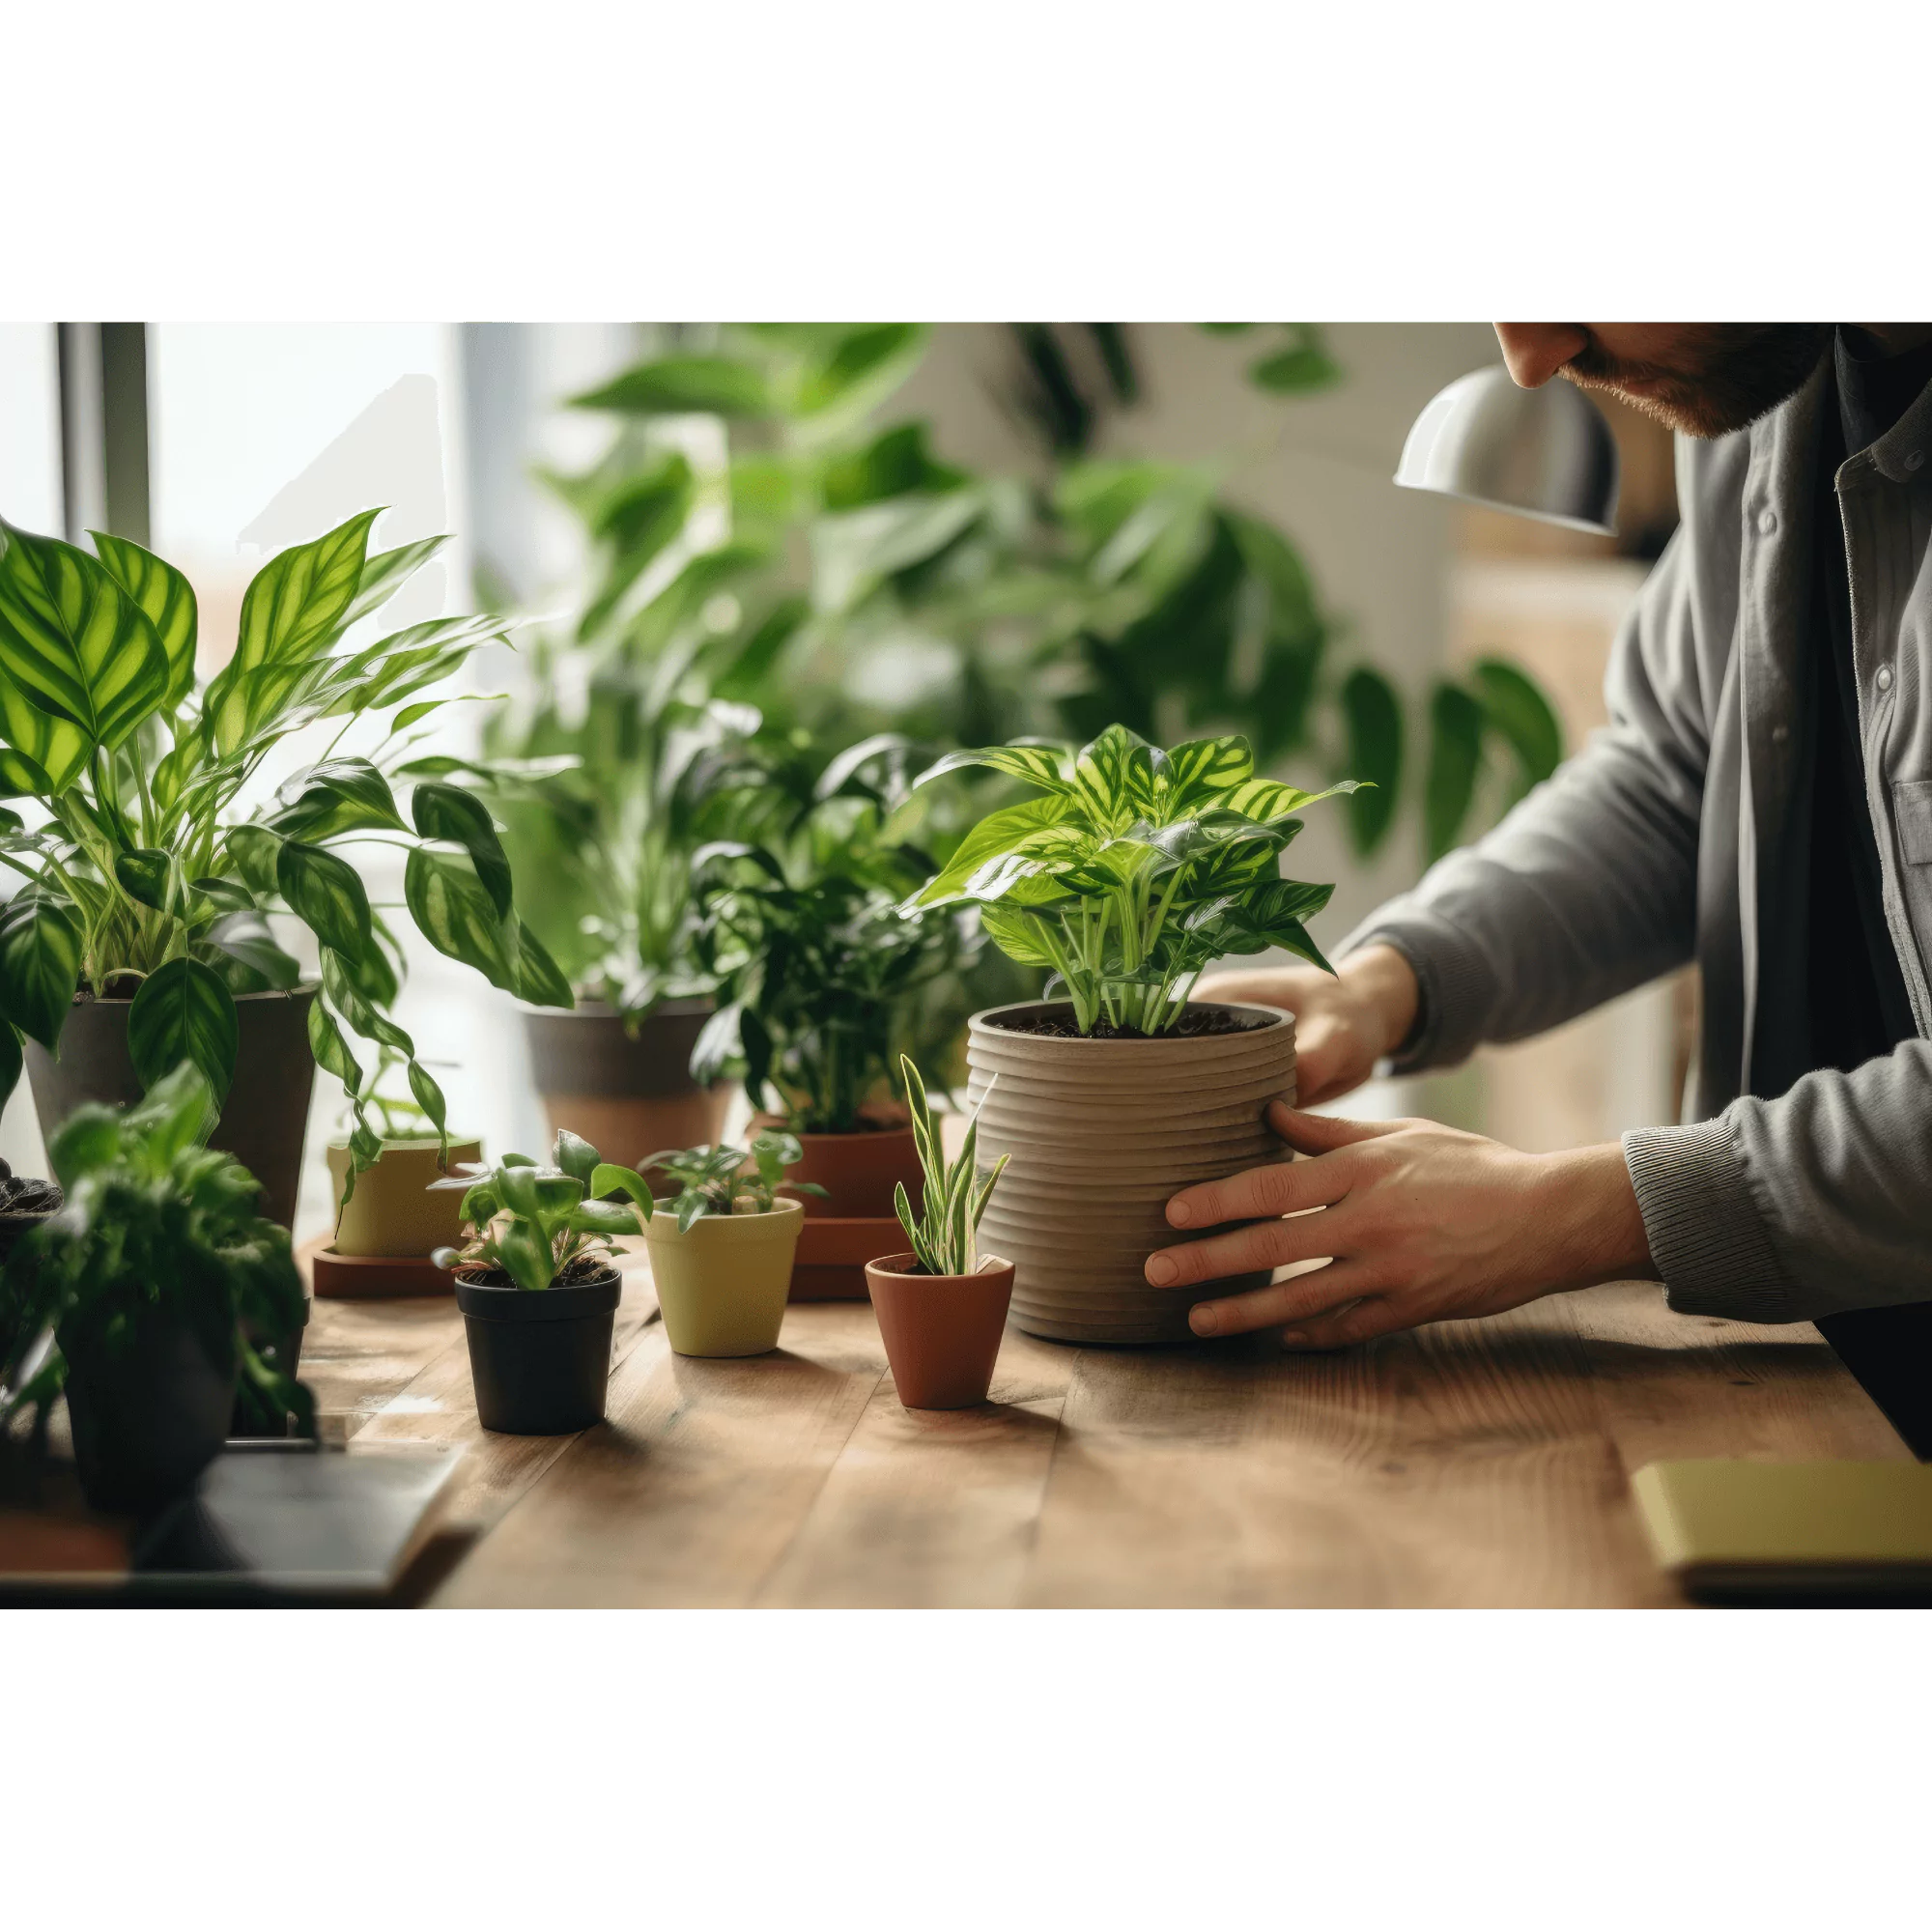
(1535, 350)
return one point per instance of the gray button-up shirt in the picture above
(1681, 832)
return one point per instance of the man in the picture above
(1761, 801)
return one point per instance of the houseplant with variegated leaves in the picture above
(1135, 870)
(147, 880)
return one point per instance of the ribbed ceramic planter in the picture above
(1102, 1133)
(627, 1098)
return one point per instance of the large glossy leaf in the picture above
(245, 936)
(998, 832)
(292, 610)
(442, 812)
(1372, 721)
(1043, 765)
(1454, 759)
(167, 598)
(1113, 776)
(257, 854)
(40, 966)
(1018, 935)
(455, 913)
(326, 894)
(683, 386)
(145, 874)
(184, 1011)
(21, 776)
(1197, 772)
(74, 644)
(340, 795)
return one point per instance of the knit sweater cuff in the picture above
(1455, 988)
(1707, 1236)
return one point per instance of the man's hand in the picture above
(1424, 1224)
(1344, 1021)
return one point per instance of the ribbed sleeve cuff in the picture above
(1707, 1236)
(1456, 986)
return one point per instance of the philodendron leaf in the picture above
(143, 875)
(1043, 765)
(326, 894)
(457, 916)
(576, 1156)
(537, 978)
(165, 595)
(1372, 714)
(184, 1011)
(245, 936)
(21, 776)
(256, 852)
(608, 1176)
(340, 795)
(1454, 759)
(40, 966)
(331, 1051)
(461, 817)
(73, 642)
(429, 1096)
(385, 573)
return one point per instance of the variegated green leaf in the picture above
(40, 966)
(442, 812)
(165, 595)
(184, 1011)
(1047, 766)
(326, 894)
(1197, 772)
(1114, 777)
(384, 573)
(244, 936)
(455, 913)
(257, 852)
(144, 875)
(74, 645)
(331, 1051)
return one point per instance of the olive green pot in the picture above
(722, 1282)
(391, 1211)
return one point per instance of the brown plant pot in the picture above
(942, 1331)
(264, 1116)
(627, 1098)
(1102, 1132)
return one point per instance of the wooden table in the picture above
(1467, 1463)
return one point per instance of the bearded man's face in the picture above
(1703, 377)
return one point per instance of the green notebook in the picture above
(1769, 1532)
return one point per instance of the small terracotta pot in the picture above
(856, 1171)
(722, 1282)
(942, 1331)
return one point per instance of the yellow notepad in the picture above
(1758, 1531)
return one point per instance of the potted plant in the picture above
(140, 1297)
(721, 1245)
(142, 935)
(390, 1220)
(820, 978)
(942, 1308)
(536, 1285)
(1132, 870)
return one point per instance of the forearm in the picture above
(1595, 1228)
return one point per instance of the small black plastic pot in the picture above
(147, 1417)
(540, 1360)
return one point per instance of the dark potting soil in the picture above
(1201, 1022)
(584, 1268)
(19, 1195)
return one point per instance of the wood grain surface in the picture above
(1470, 1463)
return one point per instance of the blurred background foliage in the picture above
(782, 570)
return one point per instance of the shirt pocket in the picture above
(1912, 806)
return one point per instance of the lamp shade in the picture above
(1545, 454)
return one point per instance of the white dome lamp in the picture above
(1545, 454)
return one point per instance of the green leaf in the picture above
(74, 643)
(384, 573)
(1198, 770)
(340, 795)
(359, 1007)
(869, 357)
(602, 1217)
(608, 1176)
(40, 966)
(257, 854)
(1371, 720)
(1043, 765)
(144, 875)
(1301, 368)
(535, 976)
(1114, 775)
(457, 916)
(10, 1061)
(442, 812)
(428, 1096)
(683, 386)
(245, 936)
(184, 1013)
(997, 833)
(1521, 716)
(576, 1156)
(1018, 935)
(166, 597)
(224, 895)
(22, 776)
(1455, 758)
(326, 894)
(526, 1258)
(331, 1051)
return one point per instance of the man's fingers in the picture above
(1359, 1321)
(1322, 1133)
(1280, 1187)
(1281, 1301)
(1271, 1244)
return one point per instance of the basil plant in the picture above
(144, 875)
(1135, 870)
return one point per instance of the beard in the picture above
(1722, 376)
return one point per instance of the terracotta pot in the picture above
(942, 1331)
(722, 1282)
(627, 1098)
(392, 1211)
(264, 1118)
(858, 1171)
(1102, 1132)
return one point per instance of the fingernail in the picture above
(1160, 1270)
(1203, 1321)
(1293, 1338)
(1178, 1213)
